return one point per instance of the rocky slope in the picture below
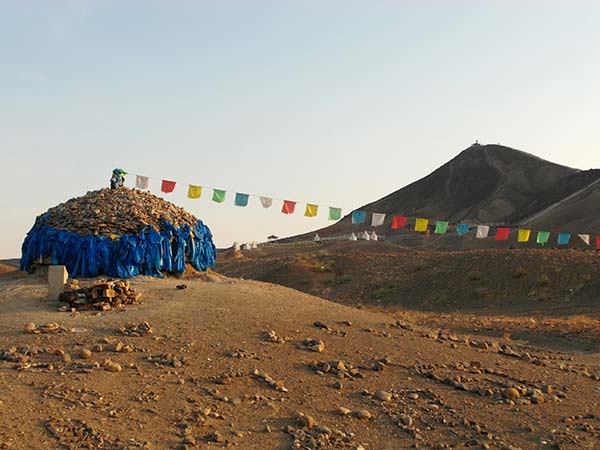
(489, 184)
(233, 363)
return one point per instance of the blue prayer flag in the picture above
(358, 217)
(463, 228)
(241, 199)
(564, 238)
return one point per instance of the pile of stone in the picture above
(112, 212)
(102, 295)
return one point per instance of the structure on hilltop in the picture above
(118, 232)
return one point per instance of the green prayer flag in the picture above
(218, 195)
(542, 237)
(441, 227)
(335, 213)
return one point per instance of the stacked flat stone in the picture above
(115, 212)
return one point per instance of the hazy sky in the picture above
(336, 102)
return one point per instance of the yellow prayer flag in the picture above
(311, 210)
(421, 224)
(194, 191)
(523, 235)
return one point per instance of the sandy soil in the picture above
(546, 297)
(212, 376)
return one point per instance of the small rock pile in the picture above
(102, 295)
(119, 211)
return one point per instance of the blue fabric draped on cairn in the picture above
(148, 253)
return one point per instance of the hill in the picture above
(228, 364)
(490, 184)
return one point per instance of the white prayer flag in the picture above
(141, 182)
(266, 202)
(377, 219)
(585, 238)
(482, 231)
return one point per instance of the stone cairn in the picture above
(101, 295)
(113, 212)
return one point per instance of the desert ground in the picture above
(253, 365)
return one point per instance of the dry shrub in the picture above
(519, 272)
(544, 280)
(474, 276)
(581, 321)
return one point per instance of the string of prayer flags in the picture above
(377, 219)
(266, 202)
(141, 182)
(288, 207)
(335, 213)
(502, 234)
(543, 237)
(398, 222)
(421, 224)
(311, 210)
(218, 195)
(441, 227)
(358, 217)
(523, 235)
(462, 228)
(483, 231)
(241, 199)
(167, 186)
(194, 191)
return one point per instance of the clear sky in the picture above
(336, 102)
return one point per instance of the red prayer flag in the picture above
(502, 234)
(288, 207)
(167, 186)
(598, 242)
(398, 222)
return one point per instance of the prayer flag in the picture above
(463, 228)
(598, 242)
(482, 231)
(441, 227)
(167, 186)
(398, 222)
(585, 238)
(523, 235)
(218, 195)
(564, 238)
(335, 213)
(141, 182)
(502, 234)
(288, 207)
(358, 217)
(194, 191)
(421, 224)
(241, 199)
(266, 202)
(542, 237)
(377, 219)
(311, 210)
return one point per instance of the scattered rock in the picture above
(141, 329)
(383, 396)
(363, 414)
(511, 393)
(315, 345)
(344, 411)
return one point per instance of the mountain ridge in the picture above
(490, 184)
